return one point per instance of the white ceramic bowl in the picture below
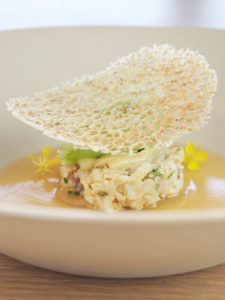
(85, 242)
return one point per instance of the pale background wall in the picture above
(40, 13)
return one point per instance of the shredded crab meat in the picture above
(155, 177)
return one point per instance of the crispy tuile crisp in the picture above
(151, 97)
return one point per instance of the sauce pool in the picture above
(20, 184)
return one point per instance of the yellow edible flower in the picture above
(192, 157)
(43, 162)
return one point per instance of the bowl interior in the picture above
(36, 59)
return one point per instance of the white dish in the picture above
(86, 242)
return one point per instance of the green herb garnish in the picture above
(170, 175)
(141, 149)
(153, 174)
(75, 193)
(103, 194)
(65, 180)
(138, 148)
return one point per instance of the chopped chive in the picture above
(65, 180)
(103, 194)
(127, 174)
(138, 147)
(170, 175)
(141, 149)
(178, 149)
(75, 193)
(155, 173)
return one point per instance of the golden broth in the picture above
(204, 188)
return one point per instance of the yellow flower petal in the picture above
(193, 165)
(45, 151)
(37, 163)
(197, 148)
(189, 148)
(192, 157)
(53, 161)
(201, 155)
(42, 162)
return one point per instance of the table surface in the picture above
(21, 281)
